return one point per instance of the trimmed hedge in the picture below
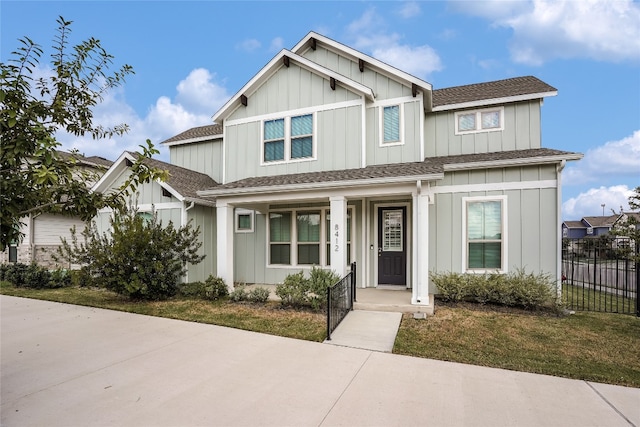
(514, 289)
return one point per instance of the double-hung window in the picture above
(280, 238)
(480, 120)
(288, 139)
(391, 125)
(485, 234)
(308, 230)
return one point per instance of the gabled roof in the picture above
(275, 64)
(92, 161)
(197, 134)
(600, 221)
(314, 38)
(430, 169)
(574, 224)
(182, 183)
(500, 91)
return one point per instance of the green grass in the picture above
(599, 347)
(583, 298)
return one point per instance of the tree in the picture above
(35, 178)
(138, 258)
(629, 229)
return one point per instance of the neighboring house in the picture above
(589, 226)
(174, 200)
(43, 232)
(329, 156)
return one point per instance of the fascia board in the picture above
(193, 140)
(171, 190)
(354, 54)
(320, 185)
(451, 167)
(116, 168)
(275, 64)
(493, 101)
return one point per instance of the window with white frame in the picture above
(391, 124)
(486, 120)
(244, 221)
(288, 139)
(484, 234)
(311, 245)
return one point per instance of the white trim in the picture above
(363, 130)
(275, 64)
(381, 142)
(353, 54)
(149, 207)
(495, 186)
(478, 120)
(193, 140)
(224, 155)
(493, 101)
(512, 162)
(504, 241)
(408, 240)
(294, 112)
(329, 185)
(393, 101)
(238, 213)
(421, 128)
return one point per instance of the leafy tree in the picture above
(138, 258)
(630, 229)
(35, 178)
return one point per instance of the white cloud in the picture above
(197, 98)
(409, 9)
(614, 158)
(605, 30)
(276, 44)
(249, 45)
(589, 203)
(370, 36)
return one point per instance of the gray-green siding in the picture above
(204, 157)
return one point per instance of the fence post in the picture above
(637, 279)
(353, 282)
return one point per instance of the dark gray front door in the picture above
(392, 247)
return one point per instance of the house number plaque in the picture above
(337, 234)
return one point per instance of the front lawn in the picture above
(589, 346)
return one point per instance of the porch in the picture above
(375, 299)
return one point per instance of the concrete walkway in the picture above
(367, 330)
(65, 365)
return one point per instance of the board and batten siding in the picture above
(337, 139)
(409, 150)
(204, 157)
(205, 218)
(146, 194)
(383, 86)
(531, 219)
(521, 131)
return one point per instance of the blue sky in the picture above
(190, 57)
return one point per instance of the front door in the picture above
(392, 247)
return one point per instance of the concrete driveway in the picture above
(65, 365)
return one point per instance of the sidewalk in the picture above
(65, 365)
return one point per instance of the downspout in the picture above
(559, 169)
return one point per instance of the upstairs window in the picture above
(480, 121)
(391, 124)
(288, 139)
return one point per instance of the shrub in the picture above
(15, 274)
(81, 278)
(293, 291)
(258, 295)
(215, 288)
(319, 281)
(239, 294)
(451, 286)
(60, 278)
(138, 258)
(191, 289)
(3, 270)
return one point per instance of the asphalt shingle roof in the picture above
(197, 132)
(601, 221)
(434, 165)
(491, 90)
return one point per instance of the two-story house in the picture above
(328, 156)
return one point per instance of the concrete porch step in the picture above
(367, 330)
(399, 301)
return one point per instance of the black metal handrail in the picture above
(340, 299)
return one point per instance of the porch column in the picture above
(338, 235)
(224, 233)
(420, 292)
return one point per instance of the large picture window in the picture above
(485, 226)
(310, 244)
(288, 139)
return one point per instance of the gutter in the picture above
(511, 162)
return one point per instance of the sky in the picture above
(190, 57)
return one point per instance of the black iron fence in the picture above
(340, 298)
(600, 274)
